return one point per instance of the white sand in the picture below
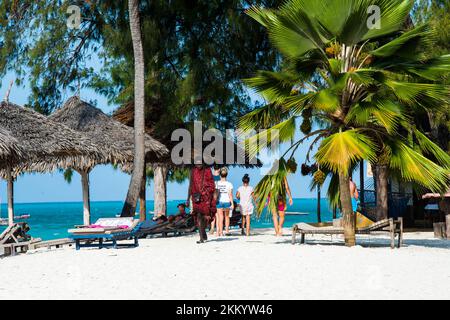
(259, 267)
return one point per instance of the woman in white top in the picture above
(224, 202)
(216, 177)
(245, 195)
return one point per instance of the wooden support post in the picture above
(447, 220)
(10, 191)
(392, 232)
(361, 182)
(86, 197)
(160, 186)
(294, 234)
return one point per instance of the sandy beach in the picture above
(235, 267)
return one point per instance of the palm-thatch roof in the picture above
(47, 144)
(114, 140)
(10, 151)
(242, 158)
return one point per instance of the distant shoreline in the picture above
(104, 201)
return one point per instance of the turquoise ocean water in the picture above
(52, 220)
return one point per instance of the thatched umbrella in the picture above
(232, 154)
(10, 153)
(115, 140)
(45, 143)
(238, 157)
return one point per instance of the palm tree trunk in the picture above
(348, 215)
(129, 207)
(160, 173)
(10, 186)
(319, 218)
(382, 192)
(86, 197)
(143, 199)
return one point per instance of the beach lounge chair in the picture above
(184, 225)
(106, 233)
(393, 228)
(175, 227)
(15, 238)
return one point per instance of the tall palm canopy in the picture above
(363, 83)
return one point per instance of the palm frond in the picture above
(379, 112)
(272, 137)
(340, 150)
(402, 45)
(429, 147)
(413, 166)
(393, 16)
(273, 86)
(427, 94)
(262, 118)
(271, 185)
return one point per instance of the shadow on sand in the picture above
(223, 239)
(367, 242)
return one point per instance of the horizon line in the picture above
(102, 201)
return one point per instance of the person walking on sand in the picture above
(225, 204)
(278, 214)
(246, 195)
(201, 192)
(354, 194)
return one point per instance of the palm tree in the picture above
(138, 175)
(361, 85)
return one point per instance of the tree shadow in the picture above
(366, 242)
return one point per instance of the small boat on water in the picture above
(4, 222)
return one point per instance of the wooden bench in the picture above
(393, 228)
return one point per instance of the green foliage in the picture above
(68, 175)
(436, 13)
(366, 87)
(196, 52)
(272, 186)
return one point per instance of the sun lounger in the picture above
(393, 228)
(15, 238)
(179, 227)
(107, 236)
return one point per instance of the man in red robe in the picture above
(201, 192)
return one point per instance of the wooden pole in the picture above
(361, 182)
(319, 219)
(86, 197)
(10, 186)
(143, 199)
(447, 220)
(160, 181)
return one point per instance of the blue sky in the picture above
(108, 184)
